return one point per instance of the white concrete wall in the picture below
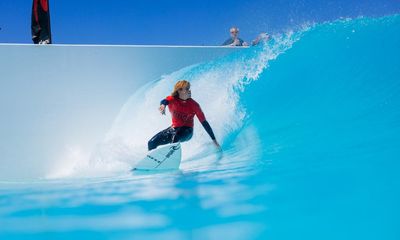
(54, 98)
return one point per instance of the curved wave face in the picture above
(310, 126)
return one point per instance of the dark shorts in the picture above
(170, 135)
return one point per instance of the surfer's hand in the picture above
(217, 144)
(162, 109)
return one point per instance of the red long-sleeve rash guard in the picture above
(183, 111)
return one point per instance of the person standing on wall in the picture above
(234, 39)
(40, 25)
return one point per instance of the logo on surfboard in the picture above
(164, 158)
(172, 149)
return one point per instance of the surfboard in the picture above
(167, 157)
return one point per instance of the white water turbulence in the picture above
(216, 85)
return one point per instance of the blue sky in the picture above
(176, 22)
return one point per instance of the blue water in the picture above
(310, 127)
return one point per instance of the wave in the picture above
(328, 89)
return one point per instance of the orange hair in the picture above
(178, 85)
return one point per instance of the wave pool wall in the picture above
(57, 102)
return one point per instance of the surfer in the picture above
(182, 108)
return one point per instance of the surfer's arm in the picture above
(204, 122)
(163, 104)
(208, 129)
(210, 132)
(202, 118)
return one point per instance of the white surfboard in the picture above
(166, 157)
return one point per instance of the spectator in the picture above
(40, 25)
(234, 40)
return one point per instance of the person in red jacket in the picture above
(183, 109)
(40, 22)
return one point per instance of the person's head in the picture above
(234, 31)
(182, 90)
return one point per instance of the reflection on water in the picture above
(220, 200)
